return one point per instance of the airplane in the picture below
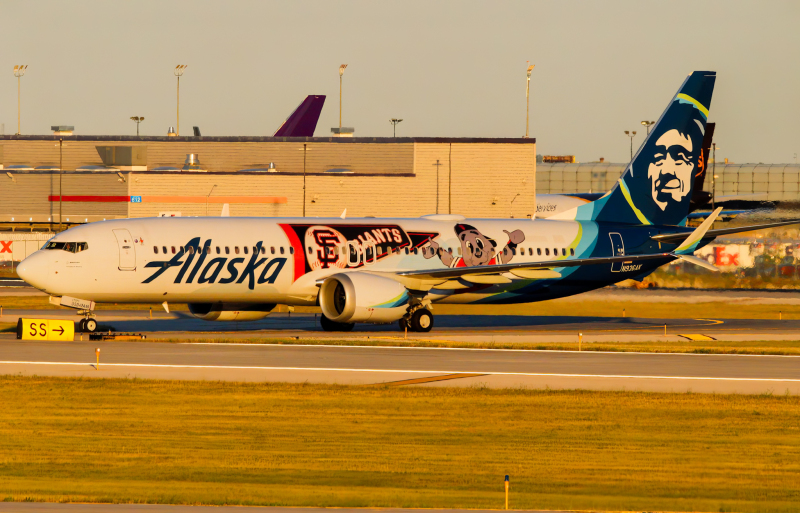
(303, 121)
(383, 270)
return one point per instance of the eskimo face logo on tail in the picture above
(672, 170)
(256, 270)
(672, 156)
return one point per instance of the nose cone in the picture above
(35, 270)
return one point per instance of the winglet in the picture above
(688, 246)
(226, 210)
(344, 214)
(698, 261)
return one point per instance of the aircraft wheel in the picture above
(329, 325)
(82, 325)
(421, 320)
(90, 325)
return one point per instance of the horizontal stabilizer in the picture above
(698, 261)
(673, 238)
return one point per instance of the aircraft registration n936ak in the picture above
(389, 270)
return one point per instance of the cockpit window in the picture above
(72, 247)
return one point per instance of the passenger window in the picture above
(255, 250)
(414, 251)
(309, 250)
(208, 250)
(236, 249)
(563, 251)
(282, 250)
(263, 250)
(272, 250)
(406, 249)
(227, 250)
(547, 251)
(190, 249)
(555, 251)
(571, 251)
(173, 250)
(217, 249)
(530, 251)
(155, 249)
(245, 250)
(291, 250)
(164, 249)
(539, 251)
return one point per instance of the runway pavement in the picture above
(359, 365)
(47, 507)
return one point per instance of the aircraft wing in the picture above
(457, 272)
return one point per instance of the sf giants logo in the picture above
(324, 245)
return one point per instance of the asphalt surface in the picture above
(359, 365)
(46, 507)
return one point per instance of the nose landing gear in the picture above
(89, 324)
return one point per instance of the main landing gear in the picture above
(329, 325)
(421, 320)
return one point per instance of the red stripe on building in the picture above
(299, 254)
(92, 199)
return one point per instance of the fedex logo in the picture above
(5, 246)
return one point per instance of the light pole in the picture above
(137, 120)
(179, 69)
(394, 122)
(60, 180)
(209, 195)
(631, 135)
(341, 72)
(18, 72)
(647, 125)
(528, 98)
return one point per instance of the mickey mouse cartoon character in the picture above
(476, 248)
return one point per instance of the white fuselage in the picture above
(203, 260)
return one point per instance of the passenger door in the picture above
(617, 249)
(127, 250)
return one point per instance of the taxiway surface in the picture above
(359, 365)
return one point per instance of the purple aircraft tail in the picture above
(304, 119)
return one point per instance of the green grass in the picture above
(303, 445)
(764, 347)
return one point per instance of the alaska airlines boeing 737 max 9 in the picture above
(389, 270)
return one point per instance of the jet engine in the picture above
(230, 311)
(362, 297)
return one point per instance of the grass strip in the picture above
(172, 442)
(756, 347)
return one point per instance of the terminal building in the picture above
(107, 177)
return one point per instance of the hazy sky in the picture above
(447, 68)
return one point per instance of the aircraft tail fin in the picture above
(700, 197)
(303, 120)
(656, 188)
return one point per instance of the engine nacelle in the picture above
(362, 297)
(229, 311)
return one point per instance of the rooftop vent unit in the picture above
(192, 163)
(62, 129)
(171, 132)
